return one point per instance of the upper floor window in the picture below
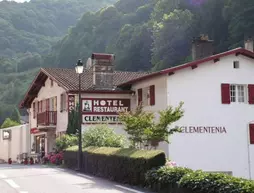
(238, 93)
(51, 83)
(236, 64)
(146, 96)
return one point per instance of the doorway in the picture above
(39, 143)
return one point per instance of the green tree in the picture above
(15, 116)
(73, 125)
(171, 39)
(9, 123)
(144, 131)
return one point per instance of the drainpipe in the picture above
(248, 149)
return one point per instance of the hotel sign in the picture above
(71, 102)
(204, 129)
(103, 110)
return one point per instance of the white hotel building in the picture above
(217, 91)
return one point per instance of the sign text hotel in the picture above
(103, 110)
(204, 129)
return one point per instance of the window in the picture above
(63, 106)
(146, 96)
(51, 83)
(236, 64)
(238, 93)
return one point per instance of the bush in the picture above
(165, 179)
(118, 164)
(66, 141)
(184, 180)
(102, 136)
(200, 181)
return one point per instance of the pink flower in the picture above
(171, 164)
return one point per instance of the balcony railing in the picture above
(47, 118)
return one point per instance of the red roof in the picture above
(68, 79)
(215, 58)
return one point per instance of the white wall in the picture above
(47, 92)
(200, 90)
(19, 143)
(160, 83)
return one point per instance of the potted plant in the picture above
(9, 161)
(26, 161)
(31, 161)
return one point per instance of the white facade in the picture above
(18, 143)
(200, 90)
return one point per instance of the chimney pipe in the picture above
(103, 70)
(248, 45)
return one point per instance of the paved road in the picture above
(42, 179)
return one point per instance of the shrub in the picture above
(200, 181)
(118, 164)
(165, 179)
(102, 136)
(184, 180)
(66, 141)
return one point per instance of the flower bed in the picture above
(53, 158)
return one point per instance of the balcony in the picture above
(47, 118)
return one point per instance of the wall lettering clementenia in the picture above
(204, 129)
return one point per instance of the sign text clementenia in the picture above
(103, 110)
(204, 129)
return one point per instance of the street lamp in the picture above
(79, 70)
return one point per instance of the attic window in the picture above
(236, 64)
(51, 83)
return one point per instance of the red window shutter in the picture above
(225, 93)
(251, 93)
(47, 105)
(152, 95)
(34, 109)
(251, 127)
(61, 103)
(140, 96)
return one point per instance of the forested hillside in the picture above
(143, 34)
(27, 32)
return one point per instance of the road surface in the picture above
(43, 179)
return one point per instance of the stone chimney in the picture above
(202, 47)
(248, 44)
(103, 70)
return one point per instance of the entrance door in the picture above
(39, 143)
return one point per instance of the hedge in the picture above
(184, 180)
(118, 164)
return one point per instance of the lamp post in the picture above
(79, 70)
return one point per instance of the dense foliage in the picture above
(184, 180)
(143, 34)
(66, 141)
(102, 136)
(27, 33)
(144, 131)
(121, 165)
(9, 123)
